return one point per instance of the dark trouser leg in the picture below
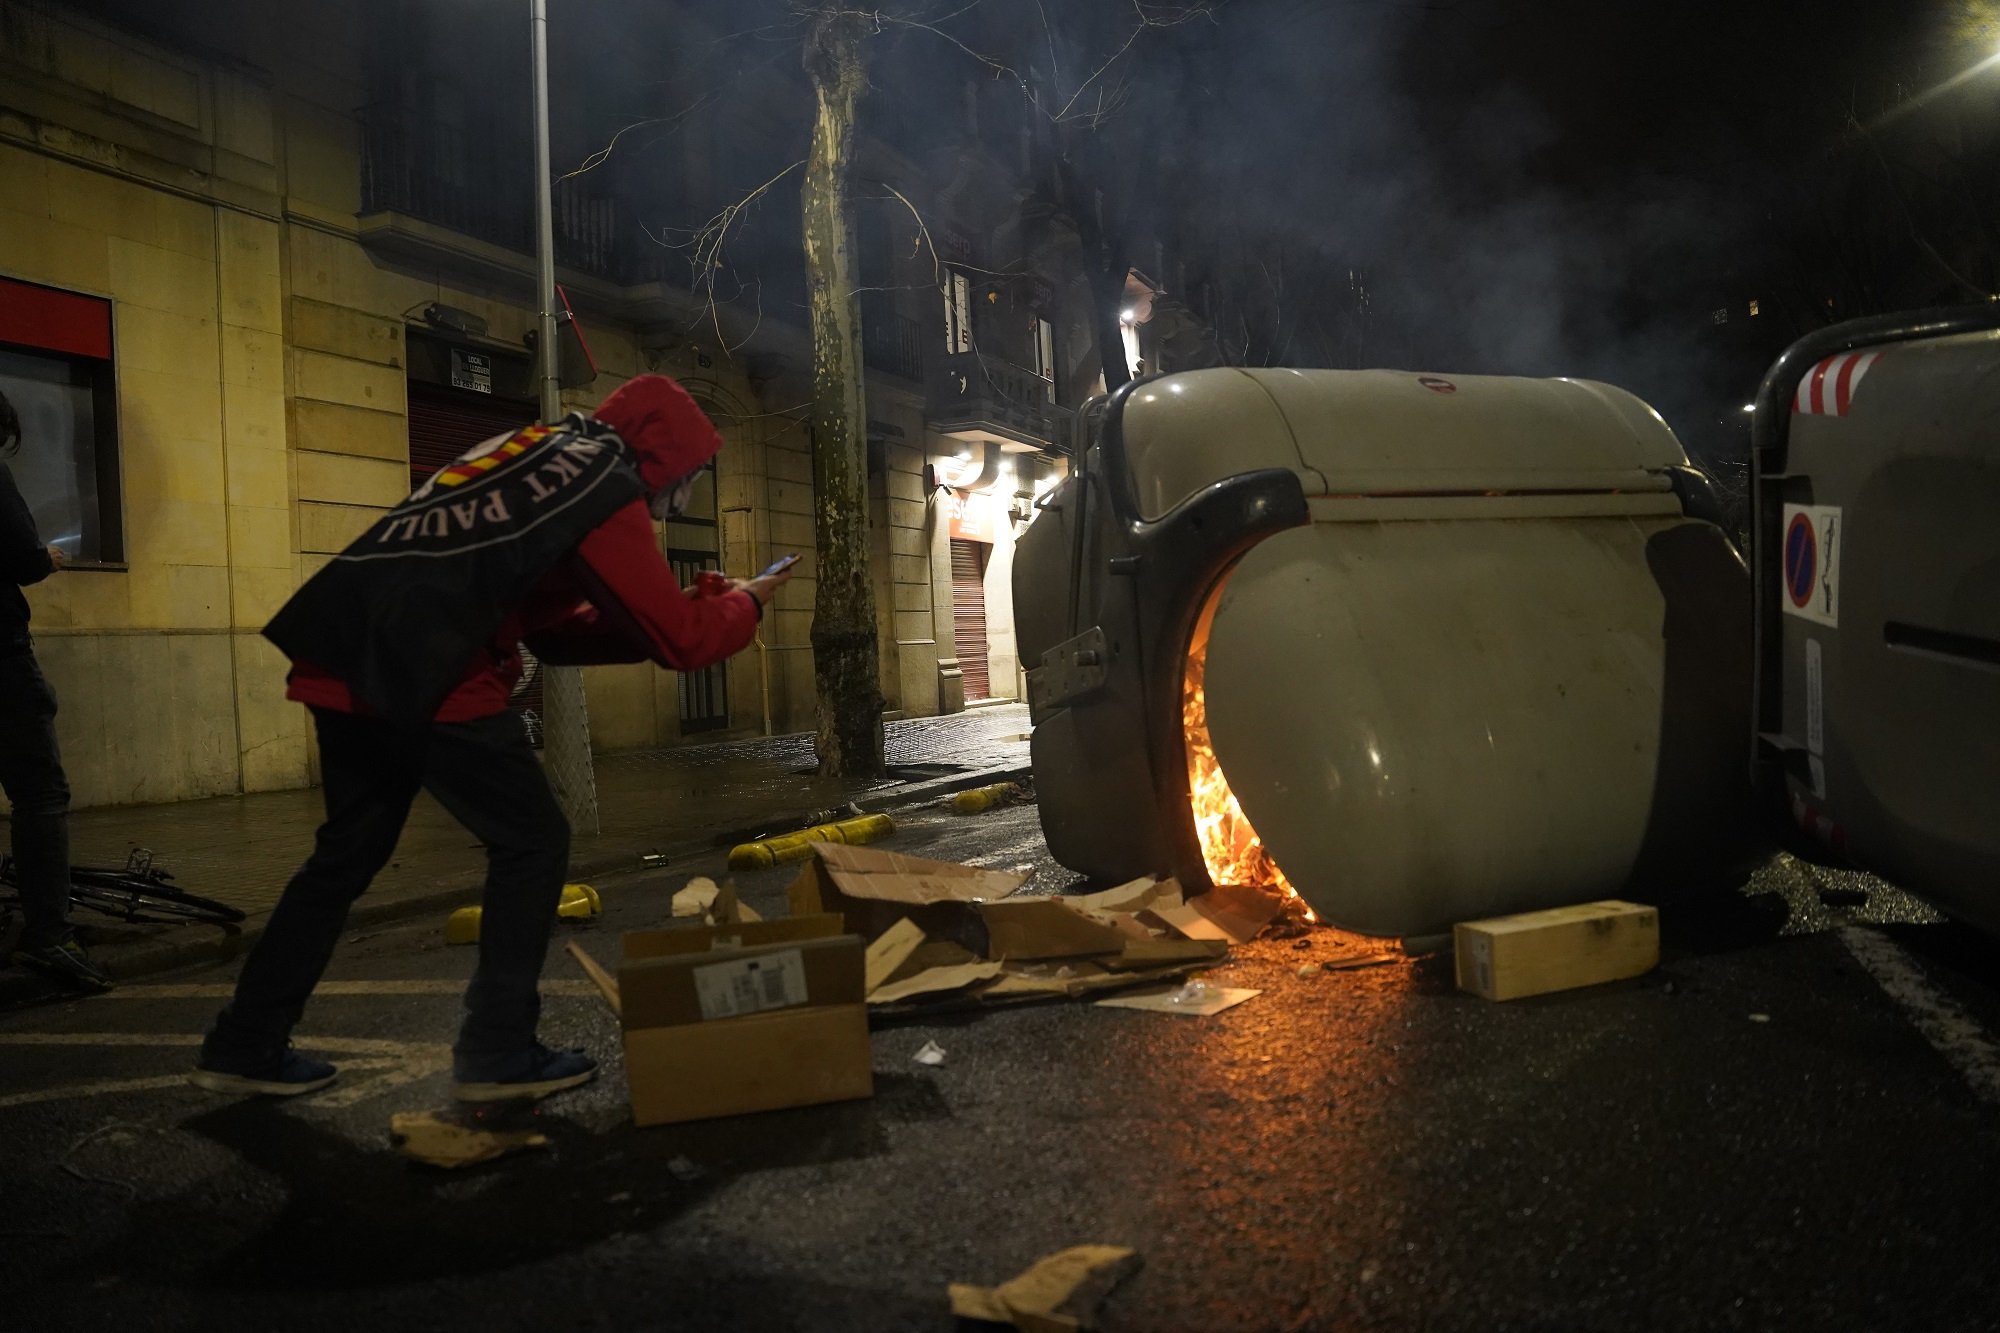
(486, 774)
(31, 773)
(371, 771)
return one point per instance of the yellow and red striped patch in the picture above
(460, 473)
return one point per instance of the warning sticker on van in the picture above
(1811, 546)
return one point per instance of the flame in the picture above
(1230, 847)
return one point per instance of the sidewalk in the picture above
(241, 849)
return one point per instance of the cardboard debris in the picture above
(751, 1016)
(1186, 922)
(1138, 955)
(890, 951)
(436, 1141)
(1132, 896)
(1060, 1294)
(934, 980)
(728, 910)
(1195, 1000)
(872, 890)
(1032, 928)
(696, 898)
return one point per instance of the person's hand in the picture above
(765, 587)
(56, 557)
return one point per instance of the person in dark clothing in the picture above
(31, 770)
(545, 536)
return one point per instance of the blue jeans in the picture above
(31, 773)
(485, 773)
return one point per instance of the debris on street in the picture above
(1197, 999)
(739, 1016)
(1057, 1295)
(942, 933)
(930, 1053)
(1534, 953)
(451, 1142)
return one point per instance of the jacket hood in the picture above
(668, 431)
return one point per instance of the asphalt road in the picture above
(1792, 1123)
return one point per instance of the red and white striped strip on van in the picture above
(1828, 389)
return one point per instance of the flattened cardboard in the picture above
(1131, 896)
(1141, 954)
(1163, 1002)
(935, 981)
(1184, 921)
(874, 889)
(762, 1062)
(1031, 928)
(1240, 911)
(888, 953)
(1060, 1294)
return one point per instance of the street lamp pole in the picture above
(566, 724)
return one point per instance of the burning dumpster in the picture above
(1418, 648)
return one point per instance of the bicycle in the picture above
(138, 893)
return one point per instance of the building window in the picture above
(1045, 353)
(56, 371)
(1753, 310)
(957, 312)
(1719, 316)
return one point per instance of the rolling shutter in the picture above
(968, 615)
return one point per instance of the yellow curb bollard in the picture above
(462, 926)
(976, 799)
(797, 846)
(579, 902)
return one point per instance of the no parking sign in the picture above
(1811, 546)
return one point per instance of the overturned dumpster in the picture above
(1420, 648)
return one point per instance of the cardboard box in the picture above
(753, 1016)
(1507, 957)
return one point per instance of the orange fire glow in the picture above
(1230, 847)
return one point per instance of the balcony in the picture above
(974, 396)
(891, 343)
(433, 174)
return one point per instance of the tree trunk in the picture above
(846, 659)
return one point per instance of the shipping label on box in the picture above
(751, 985)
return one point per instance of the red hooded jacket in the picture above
(614, 599)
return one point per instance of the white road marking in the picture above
(223, 990)
(390, 1064)
(1945, 1024)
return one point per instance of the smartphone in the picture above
(780, 565)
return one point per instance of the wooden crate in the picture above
(1507, 957)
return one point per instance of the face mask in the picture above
(671, 502)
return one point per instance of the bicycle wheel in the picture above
(136, 899)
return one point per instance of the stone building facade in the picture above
(300, 226)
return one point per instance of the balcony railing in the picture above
(432, 172)
(891, 343)
(972, 391)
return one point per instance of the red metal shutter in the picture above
(444, 423)
(968, 615)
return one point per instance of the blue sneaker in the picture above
(524, 1076)
(286, 1074)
